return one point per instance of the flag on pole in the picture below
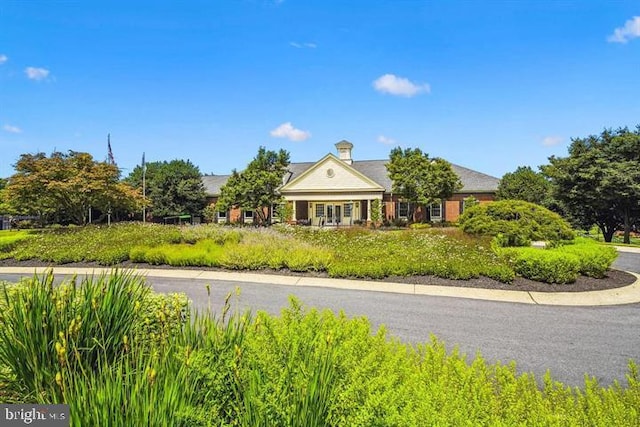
(144, 164)
(110, 158)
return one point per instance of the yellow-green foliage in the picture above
(561, 263)
(304, 367)
(239, 251)
(8, 240)
(77, 326)
(377, 254)
(105, 245)
(377, 380)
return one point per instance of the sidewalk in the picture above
(625, 295)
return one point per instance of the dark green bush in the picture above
(515, 222)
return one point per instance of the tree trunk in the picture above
(607, 232)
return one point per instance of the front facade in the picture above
(338, 191)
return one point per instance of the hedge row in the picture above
(561, 264)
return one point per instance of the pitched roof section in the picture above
(472, 181)
(213, 183)
(375, 170)
(329, 174)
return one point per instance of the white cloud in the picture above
(386, 140)
(401, 86)
(631, 30)
(303, 45)
(12, 129)
(3, 59)
(286, 130)
(37, 74)
(550, 141)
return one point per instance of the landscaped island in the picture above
(350, 253)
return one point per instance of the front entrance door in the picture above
(334, 214)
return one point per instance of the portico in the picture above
(332, 192)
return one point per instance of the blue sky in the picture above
(488, 85)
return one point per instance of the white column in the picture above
(368, 210)
(294, 211)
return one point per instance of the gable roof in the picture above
(351, 178)
(375, 170)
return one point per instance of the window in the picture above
(319, 209)
(222, 216)
(348, 209)
(436, 210)
(248, 214)
(403, 209)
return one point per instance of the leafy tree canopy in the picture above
(63, 187)
(4, 207)
(599, 181)
(417, 178)
(256, 187)
(172, 188)
(525, 184)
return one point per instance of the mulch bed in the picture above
(614, 278)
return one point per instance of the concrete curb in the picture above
(631, 249)
(626, 295)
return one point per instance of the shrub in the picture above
(594, 259)
(545, 265)
(515, 222)
(419, 225)
(561, 263)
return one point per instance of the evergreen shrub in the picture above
(515, 222)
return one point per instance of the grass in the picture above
(8, 238)
(340, 253)
(617, 239)
(102, 244)
(303, 367)
(345, 253)
(446, 253)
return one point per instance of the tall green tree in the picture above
(64, 187)
(525, 184)
(4, 206)
(256, 188)
(599, 182)
(172, 188)
(419, 179)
